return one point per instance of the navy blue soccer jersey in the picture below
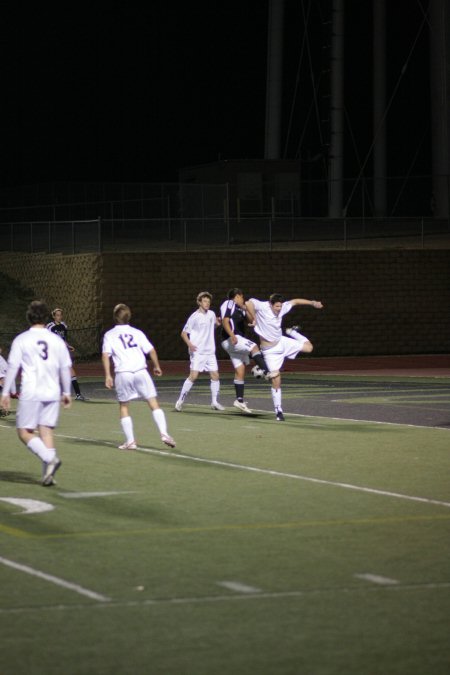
(236, 315)
(58, 328)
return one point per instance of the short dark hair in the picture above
(37, 313)
(233, 292)
(276, 297)
(121, 313)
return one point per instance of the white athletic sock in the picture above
(215, 388)
(186, 388)
(127, 428)
(160, 420)
(276, 398)
(38, 447)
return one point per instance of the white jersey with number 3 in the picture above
(128, 347)
(42, 356)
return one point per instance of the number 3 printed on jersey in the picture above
(43, 347)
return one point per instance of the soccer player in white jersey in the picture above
(45, 364)
(238, 347)
(275, 346)
(3, 368)
(129, 347)
(198, 334)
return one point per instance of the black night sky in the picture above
(133, 93)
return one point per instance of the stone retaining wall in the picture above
(376, 302)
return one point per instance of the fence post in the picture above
(345, 234)
(169, 220)
(99, 234)
(185, 234)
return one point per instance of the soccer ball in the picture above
(257, 372)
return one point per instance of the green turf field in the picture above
(319, 546)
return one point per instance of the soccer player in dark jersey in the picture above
(238, 347)
(59, 327)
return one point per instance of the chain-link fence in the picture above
(176, 234)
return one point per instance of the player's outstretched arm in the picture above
(301, 301)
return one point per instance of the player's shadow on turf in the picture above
(102, 442)
(16, 477)
(97, 401)
(223, 414)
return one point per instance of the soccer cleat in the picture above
(168, 440)
(242, 406)
(288, 331)
(179, 405)
(272, 375)
(280, 416)
(217, 406)
(50, 470)
(129, 445)
(80, 397)
(14, 395)
(4, 413)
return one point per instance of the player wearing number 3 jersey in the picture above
(45, 364)
(129, 347)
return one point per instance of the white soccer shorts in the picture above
(32, 414)
(203, 362)
(286, 348)
(130, 386)
(239, 353)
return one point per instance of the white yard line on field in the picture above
(377, 579)
(238, 587)
(279, 474)
(235, 597)
(54, 580)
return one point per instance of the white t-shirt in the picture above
(200, 327)
(268, 324)
(3, 366)
(45, 362)
(128, 347)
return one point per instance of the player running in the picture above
(45, 364)
(129, 347)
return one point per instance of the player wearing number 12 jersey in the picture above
(129, 347)
(45, 364)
